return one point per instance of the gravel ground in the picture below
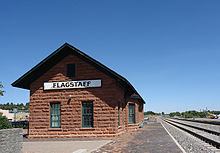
(200, 132)
(189, 143)
(206, 119)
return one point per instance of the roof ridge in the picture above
(23, 81)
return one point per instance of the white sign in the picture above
(72, 84)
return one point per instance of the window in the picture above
(55, 115)
(70, 70)
(87, 114)
(119, 114)
(131, 114)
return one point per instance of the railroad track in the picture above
(205, 134)
(199, 121)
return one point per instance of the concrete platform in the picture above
(153, 138)
(68, 146)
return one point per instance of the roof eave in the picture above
(24, 82)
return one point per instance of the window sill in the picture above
(54, 129)
(132, 124)
(87, 129)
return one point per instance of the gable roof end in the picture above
(66, 49)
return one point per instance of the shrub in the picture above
(4, 123)
(172, 114)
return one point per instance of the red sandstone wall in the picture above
(104, 102)
(131, 127)
(124, 112)
(123, 116)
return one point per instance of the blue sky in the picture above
(169, 50)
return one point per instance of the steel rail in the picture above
(199, 128)
(200, 121)
(210, 141)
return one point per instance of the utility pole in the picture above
(15, 110)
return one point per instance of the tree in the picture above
(149, 113)
(1, 91)
(4, 123)
(11, 106)
(172, 114)
(26, 107)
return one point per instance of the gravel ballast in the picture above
(189, 143)
(201, 125)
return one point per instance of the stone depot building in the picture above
(73, 95)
